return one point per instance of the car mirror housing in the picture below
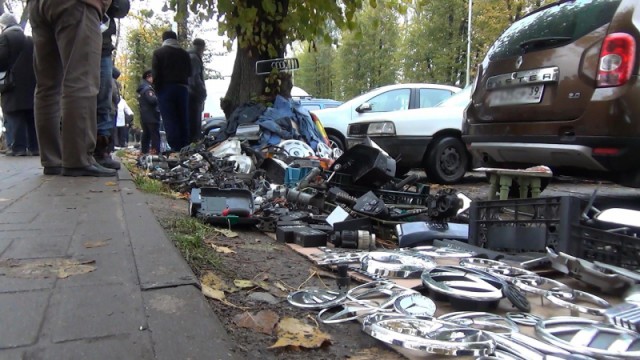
(364, 107)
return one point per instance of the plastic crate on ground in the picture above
(613, 248)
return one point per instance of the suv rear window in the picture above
(565, 21)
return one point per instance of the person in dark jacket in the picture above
(16, 57)
(149, 115)
(197, 90)
(171, 69)
(106, 124)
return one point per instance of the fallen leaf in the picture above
(243, 284)
(264, 321)
(46, 268)
(110, 183)
(280, 286)
(95, 244)
(226, 232)
(262, 284)
(213, 293)
(293, 332)
(216, 282)
(222, 249)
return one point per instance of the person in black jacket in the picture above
(149, 115)
(171, 69)
(106, 122)
(197, 90)
(16, 56)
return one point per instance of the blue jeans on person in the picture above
(23, 130)
(173, 100)
(105, 119)
(8, 134)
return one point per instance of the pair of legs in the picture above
(173, 100)
(195, 118)
(67, 39)
(150, 134)
(23, 131)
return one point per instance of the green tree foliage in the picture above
(367, 57)
(316, 73)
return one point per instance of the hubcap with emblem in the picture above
(415, 305)
(589, 337)
(496, 268)
(396, 265)
(482, 321)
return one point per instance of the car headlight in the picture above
(381, 128)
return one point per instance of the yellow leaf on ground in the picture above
(280, 286)
(213, 293)
(226, 232)
(293, 332)
(243, 284)
(264, 321)
(111, 183)
(222, 249)
(213, 281)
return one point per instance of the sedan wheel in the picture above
(335, 142)
(446, 163)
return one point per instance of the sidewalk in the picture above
(140, 302)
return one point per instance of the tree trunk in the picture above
(182, 20)
(245, 85)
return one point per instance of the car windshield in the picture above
(556, 25)
(460, 99)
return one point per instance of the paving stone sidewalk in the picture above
(140, 302)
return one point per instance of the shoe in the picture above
(107, 162)
(52, 170)
(33, 153)
(17, 153)
(91, 170)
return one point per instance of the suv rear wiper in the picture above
(544, 42)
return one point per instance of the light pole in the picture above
(469, 42)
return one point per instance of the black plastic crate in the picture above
(524, 225)
(613, 248)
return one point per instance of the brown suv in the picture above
(560, 88)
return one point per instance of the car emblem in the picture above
(415, 305)
(396, 265)
(482, 321)
(463, 284)
(496, 268)
(589, 337)
(316, 298)
(519, 62)
(522, 318)
(417, 336)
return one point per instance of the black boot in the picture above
(102, 154)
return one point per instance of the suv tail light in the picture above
(616, 60)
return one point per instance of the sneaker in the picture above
(17, 153)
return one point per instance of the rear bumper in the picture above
(409, 149)
(577, 154)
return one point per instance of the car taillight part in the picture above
(206, 115)
(617, 58)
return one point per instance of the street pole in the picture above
(469, 43)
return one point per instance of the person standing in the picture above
(66, 35)
(16, 56)
(197, 90)
(106, 125)
(149, 115)
(171, 69)
(122, 123)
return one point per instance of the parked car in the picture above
(384, 99)
(313, 104)
(428, 138)
(560, 88)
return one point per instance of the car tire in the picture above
(336, 142)
(446, 162)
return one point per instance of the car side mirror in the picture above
(364, 107)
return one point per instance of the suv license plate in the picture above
(514, 96)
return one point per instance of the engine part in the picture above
(396, 265)
(366, 165)
(466, 289)
(308, 237)
(215, 205)
(415, 305)
(574, 299)
(496, 268)
(416, 337)
(482, 321)
(371, 205)
(539, 285)
(589, 337)
(285, 234)
(304, 199)
(625, 315)
(587, 272)
(439, 252)
(523, 318)
(297, 148)
(343, 280)
(316, 298)
(227, 148)
(244, 164)
(351, 239)
(424, 233)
